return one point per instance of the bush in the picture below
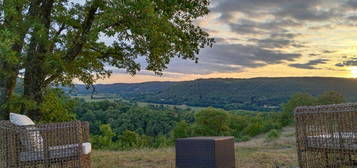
(272, 135)
(212, 122)
(105, 140)
(131, 139)
(245, 138)
(182, 130)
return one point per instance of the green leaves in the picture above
(304, 99)
(212, 122)
(57, 42)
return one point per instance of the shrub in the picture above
(105, 140)
(212, 122)
(182, 130)
(272, 135)
(245, 138)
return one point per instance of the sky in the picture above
(269, 38)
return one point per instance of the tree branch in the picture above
(82, 35)
(54, 39)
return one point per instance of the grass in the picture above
(194, 108)
(98, 97)
(256, 153)
(113, 97)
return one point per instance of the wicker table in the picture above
(205, 152)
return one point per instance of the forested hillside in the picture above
(250, 94)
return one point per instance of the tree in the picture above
(54, 42)
(298, 99)
(331, 97)
(182, 130)
(106, 139)
(212, 122)
(131, 139)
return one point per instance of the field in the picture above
(113, 97)
(98, 97)
(256, 153)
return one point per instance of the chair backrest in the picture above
(325, 119)
(30, 136)
(324, 135)
(10, 145)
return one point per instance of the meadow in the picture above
(255, 153)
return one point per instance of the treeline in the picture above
(255, 94)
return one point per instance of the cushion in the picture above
(31, 140)
(57, 152)
(336, 140)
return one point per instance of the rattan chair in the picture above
(327, 136)
(45, 145)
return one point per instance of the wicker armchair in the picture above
(327, 136)
(45, 145)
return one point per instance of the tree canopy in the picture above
(53, 42)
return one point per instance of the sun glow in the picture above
(353, 72)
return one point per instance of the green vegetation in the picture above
(304, 99)
(272, 135)
(257, 94)
(56, 107)
(256, 153)
(51, 43)
(118, 125)
(122, 125)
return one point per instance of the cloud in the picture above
(328, 51)
(307, 10)
(246, 55)
(310, 65)
(350, 62)
(295, 9)
(278, 40)
(352, 18)
(202, 68)
(256, 33)
(230, 58)
(351, 4)
(246, 26)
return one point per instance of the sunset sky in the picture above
(269, 38)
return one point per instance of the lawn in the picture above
(256, 153)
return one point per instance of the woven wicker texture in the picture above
(55, 145)
(327, 136)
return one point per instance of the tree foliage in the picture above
(212, 122)
(256, 94)
(298, 99)
(182, 130)
(304, 99)
(331, 97)
(55, 42)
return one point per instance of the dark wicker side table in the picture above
(205, 152)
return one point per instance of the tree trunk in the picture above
(35, 69)
(2, 100)
(34, 87)
(9, 90)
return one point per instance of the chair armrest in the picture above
(85, 131)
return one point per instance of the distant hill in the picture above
(249, 94)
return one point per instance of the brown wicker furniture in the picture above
(205, 152)
(52, 145)
(327, 136)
